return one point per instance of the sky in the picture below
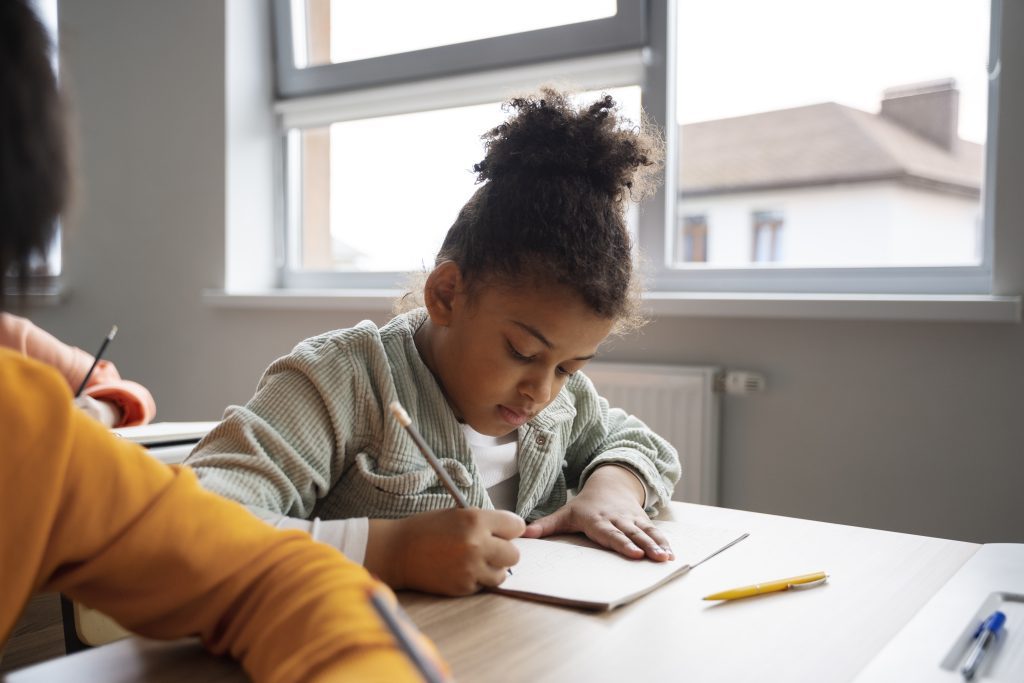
(738, 57)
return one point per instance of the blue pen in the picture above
(983, 639)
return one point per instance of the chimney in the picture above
(929, 109)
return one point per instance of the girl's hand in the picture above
(609, 511)
(448, 552)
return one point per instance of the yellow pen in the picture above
(795, 582)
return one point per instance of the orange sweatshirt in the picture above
(96, 518)
(105, 384)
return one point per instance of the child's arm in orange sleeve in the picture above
(118, 531)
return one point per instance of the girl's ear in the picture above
(443, 285)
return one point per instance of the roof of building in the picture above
(818, 144)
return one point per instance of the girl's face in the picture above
(503, 357)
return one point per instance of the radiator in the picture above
(680, 404)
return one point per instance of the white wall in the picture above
(909, 426)
(856, 224)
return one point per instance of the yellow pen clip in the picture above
(794, 582)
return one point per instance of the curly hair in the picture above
(551, 210)
(34, 170)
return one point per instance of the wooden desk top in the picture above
(878, 581)
(133, 660)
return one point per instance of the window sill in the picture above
(901, 307)
(49, 292)
(305, 299)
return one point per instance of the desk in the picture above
(134, 660)
(879, 581)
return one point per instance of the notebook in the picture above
(165, 433)
(572, 570)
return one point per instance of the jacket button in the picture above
(541, 440)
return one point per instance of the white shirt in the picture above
(495, 458)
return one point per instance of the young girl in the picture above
(535, 273)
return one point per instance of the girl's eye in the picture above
(515, 353)
(563, 372)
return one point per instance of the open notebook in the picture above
(572, 570)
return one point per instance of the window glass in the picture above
(379, 194)
(862, 124)
(692, 242)
(767, 237)
(333, 31)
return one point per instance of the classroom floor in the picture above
(37, 636)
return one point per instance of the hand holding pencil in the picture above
(96, 359)
(455, 551)
(106, 413)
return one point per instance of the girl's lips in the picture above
(513, 417)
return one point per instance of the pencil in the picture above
(390, 618)
(428, 454)
(99, 354)
(404, 419)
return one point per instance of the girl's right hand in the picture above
(447, 552)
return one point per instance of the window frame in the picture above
(624, 31)
(641, 34)
(45, 279)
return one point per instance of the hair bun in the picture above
(548, 137)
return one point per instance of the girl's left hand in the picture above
(609, 511)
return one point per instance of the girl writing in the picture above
(532, 277)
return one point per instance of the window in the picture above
(767, 238)
(379, 194)
(877, 155)
(45, 268)
(333, 32)
(377, 170)
(870, 129)
(692, 243)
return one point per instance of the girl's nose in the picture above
(536, 387)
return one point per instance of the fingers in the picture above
(484, 568)
(491, 535)
(633, 540)
(554, 523)
(501, 554)
(504, 524)
(651, 540)
(613, 538)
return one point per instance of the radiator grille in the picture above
(681, 405)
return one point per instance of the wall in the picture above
(915, 427)
(851, 224)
